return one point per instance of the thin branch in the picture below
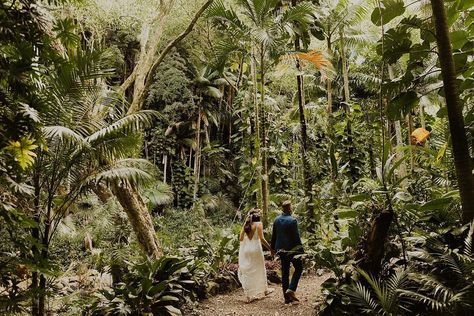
(174, 42)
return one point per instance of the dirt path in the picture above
(233, 304)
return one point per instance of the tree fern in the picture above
(380, 298)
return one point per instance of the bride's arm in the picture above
(241, 237)
(262, 238)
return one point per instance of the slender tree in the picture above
(266, 33)
(462, 159)
(308, 185)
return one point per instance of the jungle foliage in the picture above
(136, 135)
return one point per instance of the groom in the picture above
(287, 244)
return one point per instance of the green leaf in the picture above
(169, 298)
(346, 213)
(458, 39)
(402, 104)
(465, 4)
(436, 204)
(213, 92)
(173, 310)
(388, 11)
(22, 150)
(360, 197)
(397, 42)
(452, 14)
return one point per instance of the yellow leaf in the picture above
(22, 150)
(234, 67)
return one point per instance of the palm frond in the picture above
(219, 12)
(468, 251)
(362, 298)
(300, 13)
(378, 288)
(117, 146)
(432, 303)
(358, 40)
(65, 134)
(131, 123)
(158, 193)
(133, 171)
(314, 58)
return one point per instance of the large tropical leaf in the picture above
(131, 123)
(22, 151)
(134, 171)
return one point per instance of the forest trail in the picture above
(233, 303)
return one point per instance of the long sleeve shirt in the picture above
(286, 235)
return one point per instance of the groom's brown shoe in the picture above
(290, 294)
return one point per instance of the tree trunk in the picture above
(165, 167)
(345, 77)
(409, 119)
(257, 153)
(35, 234)
(149, 63)
(265, 193)
(462, 159)
(197, 155)
(375, 242)
(140, 219)
(422, 116)
(128, 196)
(308, 185)
(345, 71)
(102, 192)
(329, 80)
(398, 135)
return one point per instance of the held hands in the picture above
(272, 252)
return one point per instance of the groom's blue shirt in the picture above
(285, 234)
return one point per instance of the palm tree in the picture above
(88, 139)
(340, 23)
(462, 159)
(264, 32)
(205, 82)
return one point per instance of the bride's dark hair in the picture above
(254, 216)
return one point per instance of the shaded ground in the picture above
(233, 303)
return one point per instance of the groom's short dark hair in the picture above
(286, 206)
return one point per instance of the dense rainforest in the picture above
(136, 136)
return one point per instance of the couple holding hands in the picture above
(286, 243)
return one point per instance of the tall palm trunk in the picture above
(399, 152)
(409, 119)
(345, 78)
(398, 135)
(35, 234)
(258, 152)
(462, 159)
(329, 80)
(265, 192)
(165, 167)
(197, 155)
(345, 71)
(308, 185)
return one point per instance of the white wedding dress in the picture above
(252, 273)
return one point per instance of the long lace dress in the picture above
(252, 272)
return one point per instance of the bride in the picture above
(252, 273)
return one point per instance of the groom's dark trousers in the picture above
(286, 260)
(286, 242)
